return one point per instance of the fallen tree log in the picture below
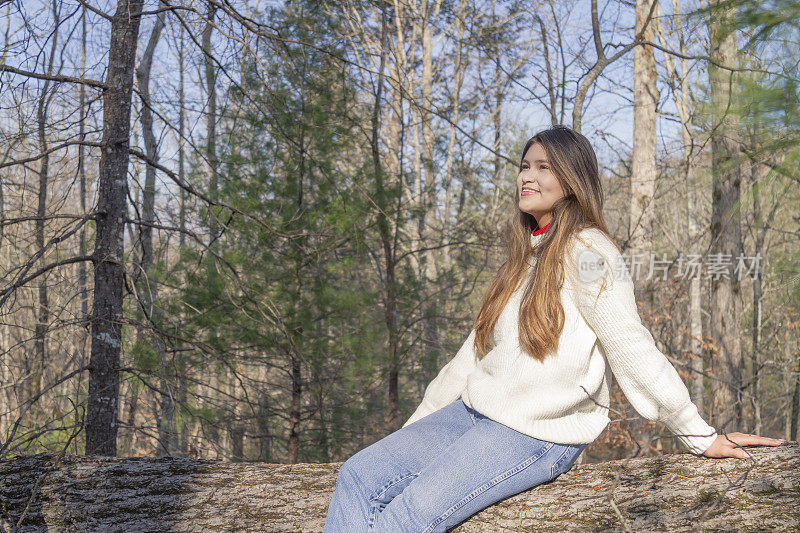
(48, 492)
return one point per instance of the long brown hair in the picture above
(541, 315)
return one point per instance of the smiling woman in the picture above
(527, 393)
(537, 187)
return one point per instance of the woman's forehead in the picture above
(536, 152)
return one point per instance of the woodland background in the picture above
(255, 231)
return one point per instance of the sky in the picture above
(608, 114)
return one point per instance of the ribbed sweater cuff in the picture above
(690, 428)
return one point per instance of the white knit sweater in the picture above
(565, 398)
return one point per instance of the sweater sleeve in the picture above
(451, 381)
(604, 295)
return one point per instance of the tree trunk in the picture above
(683, 100)
(726, 234)
(211, 117)
(129, 435)
(36, 369)
(295, 409)
(181, 141)
(101, 412)
(262, 422)
(82, 272)
(459, 66)
(552, 90)
(389, 296)
(755, 364)
(698, 391)
(182, 382)
(35, 366)
(643, 169)
(148, 288)
(666, 493)
(296, 341)
(428, 236)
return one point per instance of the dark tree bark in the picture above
(101, 412)
(382, 200)
(183, 439)
(666, 493)
(36, 370)
(82, 271)
(211, 117)
(296, 409)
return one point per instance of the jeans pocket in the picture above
(381, 498)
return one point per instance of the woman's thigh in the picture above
(412, 448)
(487, 464)
(384, 469)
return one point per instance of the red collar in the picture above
(541, 230)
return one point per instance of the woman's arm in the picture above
(449, 383)
(603, 293)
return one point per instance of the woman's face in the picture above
(537, 186)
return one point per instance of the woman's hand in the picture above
(726, 445)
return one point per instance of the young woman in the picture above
(529, 389)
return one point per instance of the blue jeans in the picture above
(437, 472)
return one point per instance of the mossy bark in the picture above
(677, 492)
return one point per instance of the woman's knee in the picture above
(349, 487)
(359, 469)
(347, 472)
(359, 461)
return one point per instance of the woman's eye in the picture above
(545, 167)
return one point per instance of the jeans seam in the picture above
(382, 491)
(470, 410)
(557, 464)
(489, 484)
